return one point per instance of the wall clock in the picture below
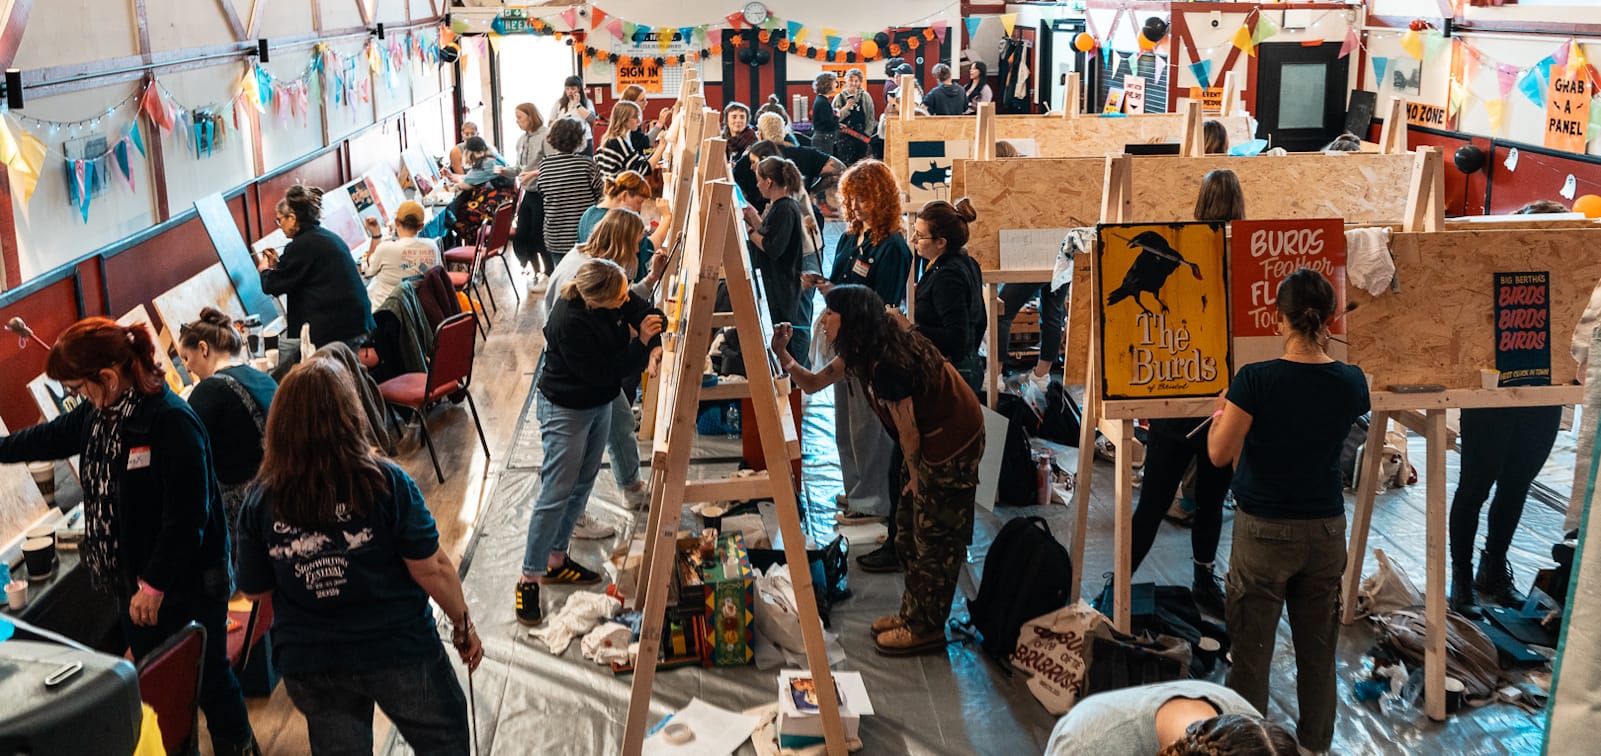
(755, 13)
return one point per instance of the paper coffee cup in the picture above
(42, 531)
(1490, 378)
(17, 595)
(1454, 692)
(40, 556)
(44, 476)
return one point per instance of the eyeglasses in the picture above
(73, 390)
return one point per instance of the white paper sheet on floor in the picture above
(717, 732)
(582, 610)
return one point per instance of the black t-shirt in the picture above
(810, 160)
(342, 597)
(235, 441)
(779, 260)
(1289, 468)
(950, 306)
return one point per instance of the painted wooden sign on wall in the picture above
(1164, 310)
(1264, 253)
(1523, 328)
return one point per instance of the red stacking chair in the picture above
(450, 371)
(169, 682)
(465, 282)
(494, 245)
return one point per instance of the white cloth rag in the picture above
(1368, 263)
(607, 643)
(1079, 241)
(577, 616)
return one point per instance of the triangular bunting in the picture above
(1435, 43)
(597, 17)
(686, 34)
(735, 20)
(137, 138)
(939, 31)
(1412, 44)
(1265, 30)
(1203, 72)
(1454, 98)
(833, 42)
(1242, 40)
(24, 154)
(570, 17)
(1533, 86)
(796, 32)
(972, 26)
(1560, 57)
(664, 38)
(1350, 44)
(1506, 77)
(616, 28)
(1496, 109)
(1008, 20)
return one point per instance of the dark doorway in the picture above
(1300, 95)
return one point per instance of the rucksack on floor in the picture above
(1026, 574)
(1018, 484)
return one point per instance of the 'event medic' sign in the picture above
(1264, 253)
(1523, 328)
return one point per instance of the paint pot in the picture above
(1455, 690)
(40, 556)
(1207, 649)
(711, 517)
(44, 476)
(1490, 379)
(17, 595)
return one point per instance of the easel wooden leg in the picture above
(660, 548)
(1123, 525)
(1084, 474)
(653, 525)
(1366, 482)
(1434, 591)
(992, 361)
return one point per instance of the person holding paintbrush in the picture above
(1173, 448)
(1282, 424)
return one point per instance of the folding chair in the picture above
(465, 282)
(169, 682)
(499, 240)
(450, 371)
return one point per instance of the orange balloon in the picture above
(1589, 204)
(1084, 42)
(1146, 44)
(869, 49)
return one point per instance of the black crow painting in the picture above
(1155, 262)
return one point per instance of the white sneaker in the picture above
(1042, 382)
(637, 496)
(590, 529)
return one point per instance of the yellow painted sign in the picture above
(1567, 114)
(1423, 114)
(648, 75)
(1164, 309)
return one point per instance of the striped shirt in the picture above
(620, 154)
(570, 184)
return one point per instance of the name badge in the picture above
(859, 268)
(138, 458)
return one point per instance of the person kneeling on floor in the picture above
(1171, 719)
(926, 404)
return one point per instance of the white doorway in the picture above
(532, 69)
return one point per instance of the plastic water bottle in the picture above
(731, 418)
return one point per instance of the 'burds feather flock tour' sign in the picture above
(1164, 310)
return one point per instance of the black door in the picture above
(1300, 95)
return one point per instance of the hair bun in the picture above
(216, 317)
(965, 210)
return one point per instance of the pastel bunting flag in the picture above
(1412, 43)
(939, 30)
(616, 28)
(1203, 72)
(1008, 20)
(1595, 121)
(664, 38)
(1544, 66)
(853, 44)
(1560, 56)
(1380, 65)
(1533, 86)
(137, 137)
(972, 24)
(1507, 78)
(686, 34)
(597, 17)
(1350, 44)
(1264, 31)
(1161, 68)
(1496, 110)
(1455, 98)
(81, 189)
(1242, 40)
(1435, 43)
(1576, 61)
(630, 31)
(570, 17)
(735, 20)
(833, 42)
(796, 32)
(24, 154)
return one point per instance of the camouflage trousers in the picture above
(933, 529)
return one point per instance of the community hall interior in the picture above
(1079, 377)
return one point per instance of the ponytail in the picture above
(783, 172)
(95, 344)
(626, 182)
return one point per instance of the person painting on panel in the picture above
(342, 543)
(570, 183)
(573, 103)
(1282, 425)
(155, 536)
(527, 240)
(400, 258)
(873, 253)
(618, 151)
(591, 348)
(856, 122)
(775, 240)
(629, 190)
(230, 398)
(458, 163)
(737, 130)
(481, 192)
(1503, 447)
(1177, 718)
(1170, 450)
(319, 278)
(928, 406)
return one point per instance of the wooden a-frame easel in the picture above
(715, 253)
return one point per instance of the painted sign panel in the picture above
(1264, 253)
(929, 164)
(1567, 114)
(1523, 328)
(1164, 310)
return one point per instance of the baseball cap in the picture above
(410, 213)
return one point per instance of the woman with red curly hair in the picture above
(873, 253)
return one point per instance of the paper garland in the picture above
(1203, 72)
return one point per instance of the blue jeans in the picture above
(574, 440)
(1053, 315)
(620, 443)
(423, 699)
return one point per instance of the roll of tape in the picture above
(677, 733)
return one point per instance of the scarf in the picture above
(101, 479)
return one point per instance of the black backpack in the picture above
(1026, 574)
(1018, 485)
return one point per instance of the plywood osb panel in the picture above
(1085, 136)
(1024, 193)
(1439, 328)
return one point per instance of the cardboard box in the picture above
(730, 604)
(801, 724)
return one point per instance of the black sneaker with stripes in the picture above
(528, 609)
(571, 573)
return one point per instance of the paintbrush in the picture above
(23, 332)
(1208, 421)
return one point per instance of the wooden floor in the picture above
(501, 379)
